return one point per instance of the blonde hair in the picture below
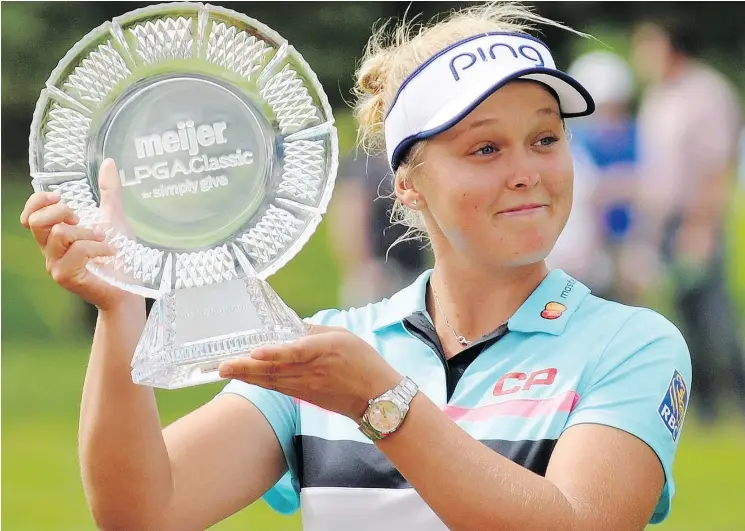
(393, 53)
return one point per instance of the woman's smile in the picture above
(522, 211)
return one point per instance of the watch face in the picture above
(384, 416)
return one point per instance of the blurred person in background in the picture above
(374, 263)
(604, 146)
(689, 130)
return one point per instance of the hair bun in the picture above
(372, 82)
(373, 74)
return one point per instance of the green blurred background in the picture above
(45, 339)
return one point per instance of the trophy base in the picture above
(189, 332)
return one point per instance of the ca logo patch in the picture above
(672, 410)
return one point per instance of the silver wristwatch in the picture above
(385, 413)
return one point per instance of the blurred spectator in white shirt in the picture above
(689, 130)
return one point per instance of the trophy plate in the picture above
(223, 137)
(227, 154)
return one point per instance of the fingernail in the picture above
(225, 371)
(98, 233)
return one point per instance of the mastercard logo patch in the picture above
(553, 310)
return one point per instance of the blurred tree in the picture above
(330, 35)
(36, 35)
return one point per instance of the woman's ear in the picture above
(406, 192)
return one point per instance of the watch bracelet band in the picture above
(405, 391)
(368, 431)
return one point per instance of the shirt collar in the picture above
(550, 306)
(548, 309)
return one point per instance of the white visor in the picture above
(452, 83)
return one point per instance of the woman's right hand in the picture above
(68, 247)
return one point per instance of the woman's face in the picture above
(497, 187)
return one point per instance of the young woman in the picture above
(491, 394)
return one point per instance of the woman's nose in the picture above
(523, 170)
(523, 178)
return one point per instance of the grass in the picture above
(40, 396)
(710, 483)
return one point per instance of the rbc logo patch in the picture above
(672, 410)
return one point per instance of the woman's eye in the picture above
(547, 141)
(488, 149)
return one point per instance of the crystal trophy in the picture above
(227, 153)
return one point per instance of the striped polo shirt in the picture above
(564, 358)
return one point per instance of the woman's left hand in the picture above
(330, 367)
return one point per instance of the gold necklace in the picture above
(461, 339)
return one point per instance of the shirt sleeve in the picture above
(281, 413)
(641, 385)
